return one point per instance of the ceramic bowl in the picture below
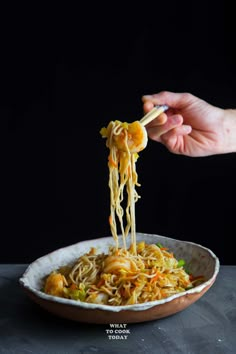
(199, 261)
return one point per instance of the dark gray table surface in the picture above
(208, 326)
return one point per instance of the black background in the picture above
(65, 73)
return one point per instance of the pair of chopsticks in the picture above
(154, 113)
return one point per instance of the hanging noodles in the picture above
(124, 142)
(143, 272)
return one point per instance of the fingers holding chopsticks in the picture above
(166, 126)
(172, 127)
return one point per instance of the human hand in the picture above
(192, 126)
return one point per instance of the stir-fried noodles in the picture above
(121, 277)
(124, 142)
(125, 275)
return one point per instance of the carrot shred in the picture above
(73, 286)
(129, 171)
(170, 255)
(112, 162)
(158, 275)
(100, 283)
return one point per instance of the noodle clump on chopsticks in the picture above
(125, 275)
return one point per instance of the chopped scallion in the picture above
(181, 263)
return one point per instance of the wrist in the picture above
(229, 128)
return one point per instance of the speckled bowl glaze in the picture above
(199, 260)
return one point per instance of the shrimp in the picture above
(100, 298)
(132, 137)
(55, 283)
(114, 263)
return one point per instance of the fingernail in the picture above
(187, 128)
(147, 96)
(176, 119)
